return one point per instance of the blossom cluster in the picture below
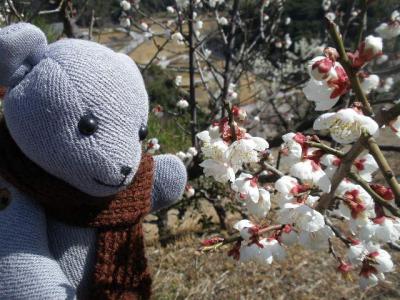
(329, 80)
(233, 156)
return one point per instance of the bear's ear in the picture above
(22, 46)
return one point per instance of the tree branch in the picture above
(378, 199)
(384, 167)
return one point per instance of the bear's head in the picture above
(76, 108)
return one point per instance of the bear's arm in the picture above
(27, 268)
(169, 181)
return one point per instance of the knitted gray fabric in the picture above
(51, 87)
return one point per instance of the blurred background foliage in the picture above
(305, 17)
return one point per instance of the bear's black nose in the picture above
(125, 170)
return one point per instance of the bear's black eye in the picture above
(88, 125)
(143, 132)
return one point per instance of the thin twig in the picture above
(384, 167)
(92, 20)
(237, 238)
(52, 11)
(155, 56)
(14, 10)
(326, 148)
(337, 232)
(272, 169)
(192, 88)
(363, 22)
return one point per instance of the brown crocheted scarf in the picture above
(121, 266)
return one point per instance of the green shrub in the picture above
(160, 87)
(171, 136)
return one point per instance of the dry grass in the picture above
(179, 272)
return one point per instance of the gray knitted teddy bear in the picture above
(78, 110)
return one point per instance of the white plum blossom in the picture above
(182, 3)
(370, 83)
(289, 236)
(170, 9)
(144, 26)
(213, 146)
(321, 68)
(232, 94)
(223, 21)
(169, 24)
(365, 166)
(207, 53)
(181, 155)
(263, 205)
(220, 171)
(125, 22)
(382, 59)
(356, 253)
(331, 163)
(330, 16)
(214, 3)
(182, 104)
(369, 280)
(320, 93)
(386, 230)
(390, 29)
(373, 44)
(199, 25)
(247, 187)
(264, 252)
(252, 252)
(326, 4)
(272, 246)
(311, 173)
(357, 205)
(346, 125)
(246, 150)
(288, 41)
(382, 258)
(158, 111)
(304, 217)
(328, 80)
(216, 150)
(163, 62)
(178, 38)
(289, 188)
(318, 240)
(239, 113)
(395, 126)
(189, 191)
(374, 263)
(153, 146)
(286, 185)
(192, 151)
(125, 5)
(178, 80)
(386, 85)
(388, 32)
(291, 149)
(245, 228)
